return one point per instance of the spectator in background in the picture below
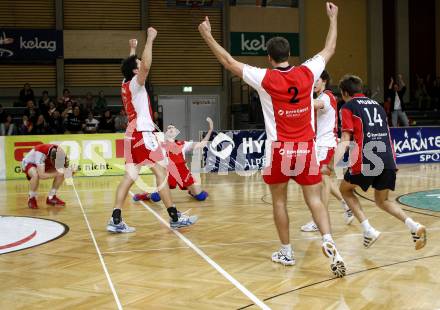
(26, 93)
(396, 91)
(74, 122)
(87, 103)
(91, 124)
(56, 123)
(2, 114)
(66, 96)
(52, 109)
(8, 128)
(68, 110)
(41, 127)
(44, 103)
(121, 121)
(26, 126)
(421, 95)
(107, 123)
(101, 103)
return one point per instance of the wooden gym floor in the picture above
(223, 262)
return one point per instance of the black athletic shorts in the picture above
(385, 180)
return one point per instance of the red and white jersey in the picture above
(39, 155)
(176, 150)
(327, 121)
(286, 96)
(137, 105)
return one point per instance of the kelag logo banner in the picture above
(254, 43)
(94, 154)
(18, 44)
(416, 144)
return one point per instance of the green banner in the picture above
(254, 43)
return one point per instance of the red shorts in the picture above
(325, 155)
(292, 160)
(142, 148)
(29, 166)
(179, 174)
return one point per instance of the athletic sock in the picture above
(411, 224)
(32, 194)
(327, 238)
(287, 248)
(52, 193)
(366, 226)
(172, 212)
(344, 205)
(116, 215)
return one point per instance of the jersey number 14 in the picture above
(376, 117)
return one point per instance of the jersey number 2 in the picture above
(295, 94)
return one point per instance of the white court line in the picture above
(109, 280)
(216, 266)
(217, 245)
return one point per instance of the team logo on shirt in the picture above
(21, 232)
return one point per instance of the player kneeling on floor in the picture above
(41, 163)
(178, 172)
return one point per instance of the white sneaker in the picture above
(348, 214)
(337, 264)
(310, 227)
(119, 228)
(419, 237)
(283, 257)
(370, 237)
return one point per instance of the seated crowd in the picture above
(66, 115)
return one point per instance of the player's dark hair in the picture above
(128, 65)
(325, 76)
(278, 48)
(351, 84)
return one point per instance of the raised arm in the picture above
(205, 140)
(220, 53)
(330, 42)
(401, 82)
(391, 83)
(147, 57)
(133, 44)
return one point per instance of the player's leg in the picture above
(321, 217)
(177, 219)
(370, 234)
(34, 181)
(52, 198)
(279, 203)
(116, 224)
(348, 214)
(418, 231)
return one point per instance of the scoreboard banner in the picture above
(244, 150)
(94, 154)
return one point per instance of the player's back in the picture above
(137, 105)
(370, 131)
(290, 91)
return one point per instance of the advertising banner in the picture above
(416, 144)
(244, 150)
(95, 154)
(20, 44)
(254, 43)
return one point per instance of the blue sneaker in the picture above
(119, 228)
(183, 221)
